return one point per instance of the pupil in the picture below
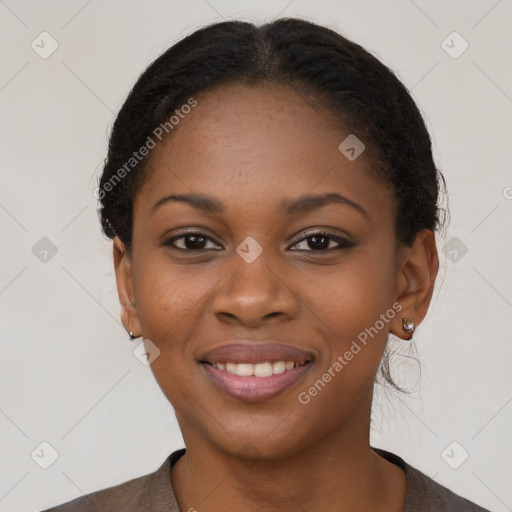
(197, 241)
(319, 245)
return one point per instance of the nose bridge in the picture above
(254, 288)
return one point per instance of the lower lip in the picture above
(255, 389)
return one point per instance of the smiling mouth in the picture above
(251, 372)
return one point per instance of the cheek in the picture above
(169, 304)
(352, 307)
(170, 307)
(169, 296)
(350, 297)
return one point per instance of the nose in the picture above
(252, 294)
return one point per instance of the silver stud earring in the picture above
(132, 337)
(408, 326)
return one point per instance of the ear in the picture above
(416, 275)
(123, 269)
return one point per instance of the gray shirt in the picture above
(154, 493)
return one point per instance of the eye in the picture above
(196, 242)
(320, 241)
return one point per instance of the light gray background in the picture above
(68, 374)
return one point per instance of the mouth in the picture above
(255, 373)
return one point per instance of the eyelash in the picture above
(343, 242)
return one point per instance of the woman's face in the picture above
(236, 279)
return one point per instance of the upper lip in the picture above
(256, 353)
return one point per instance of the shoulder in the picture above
(148, 493)
(424, 490)
(421, 489)
(127, 496)
(426, 495)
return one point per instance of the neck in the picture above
(340, 469)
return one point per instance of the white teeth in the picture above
(278, 367)
(263, 370)
(245, 369)
(257, 370)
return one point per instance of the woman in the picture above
(272, 200)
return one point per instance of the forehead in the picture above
(260, 144)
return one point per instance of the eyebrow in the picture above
(299, 205)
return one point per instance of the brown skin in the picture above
(251, 147)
